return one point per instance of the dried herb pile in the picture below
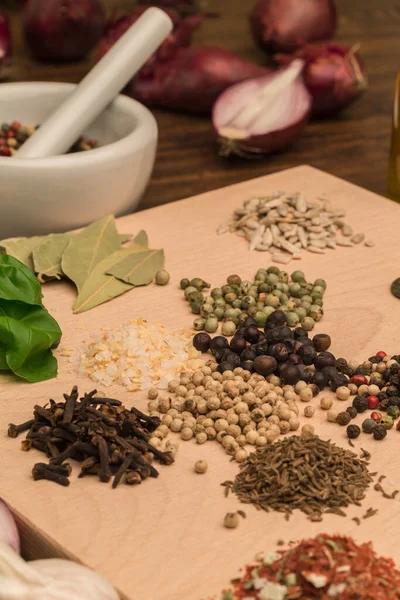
(323, 567)
(92, 259)
(108, 440)
(309, 474)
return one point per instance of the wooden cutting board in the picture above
(164, 540)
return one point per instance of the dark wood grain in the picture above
(353, 145)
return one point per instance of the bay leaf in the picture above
(48, 254)
(88, 248)
(139, 268)
(124, 237)
(100, 287)
(22, 248)
(141, 238)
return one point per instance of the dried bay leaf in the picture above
(88, 248)
(48, 254)
(141, 238)
(124, 237)
(22, 248)
(100, 287)
(139, 268)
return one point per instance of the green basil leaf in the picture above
(17, 282)
(28, 332)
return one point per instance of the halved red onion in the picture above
(263, 115)
(8, 528)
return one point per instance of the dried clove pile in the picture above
(309, 474)
(107, 439)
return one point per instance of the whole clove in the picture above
(107, 439)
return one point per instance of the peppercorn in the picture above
(387, 422)
(394, 412)
(376, 416)
(326, 402)
(231, 520)
(202, 341)
(219, 342)
(343, 393)
(352, 411)
(379, 432)
(394, 401)
(360, 403)
(265, 365)
(343, 418)
(290, 374)
(359, 380)
(368, 425)
(321, 342)
(353, 431)
(200, 466)
(211, 324)
(373, 402)
(381, 354)
(162, 277)
(324, 359)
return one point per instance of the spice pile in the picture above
(100, 433)
(93, 259)
(305, 473)
(235, 408)
(137, 355)
(290, 355)
(375, 384)
(285, 224)
(13, 135)
(236, 300)
(323, 567)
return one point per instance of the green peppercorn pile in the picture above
(271, 288)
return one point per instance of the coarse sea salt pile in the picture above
(137, 355)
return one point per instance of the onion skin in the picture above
(180, 37)
(334, 74)
(5, 45)
(284, 25)
(234, 141)
(8, 528)
(63, 30)
(192, 79)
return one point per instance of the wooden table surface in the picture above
(353, 145)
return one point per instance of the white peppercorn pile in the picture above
(235, 408)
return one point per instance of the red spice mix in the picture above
(326, 567)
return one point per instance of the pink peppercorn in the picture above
(359, 380)
(15, 125)
(376, 416)
(381, 354)
(10, 134)
(5, 151)
(373, 402)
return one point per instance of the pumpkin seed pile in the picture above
(286, 224)
(304, 472)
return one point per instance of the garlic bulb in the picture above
(50, 579)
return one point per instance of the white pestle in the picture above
(99, 87)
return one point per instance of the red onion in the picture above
(283, 25)
(5, 45)
(262, 115)
(181, 36)
(63, 30)
(334, 75)
(192, 79)
(8, 528)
